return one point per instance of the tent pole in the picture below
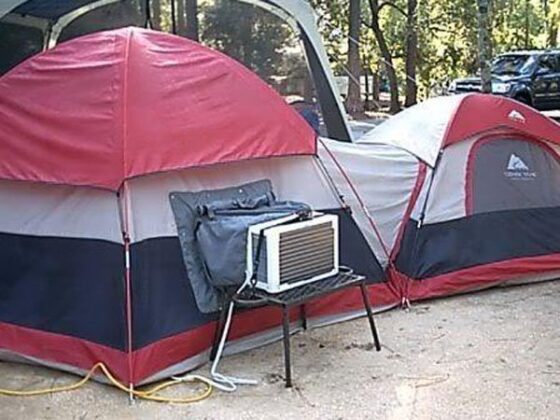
(359, 200)
(65, 20)
(124, 205)
(336, 192)
(423, 212)
(425, 204)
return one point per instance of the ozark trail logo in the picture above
(518, 169)
(516, 163)
(516, 116)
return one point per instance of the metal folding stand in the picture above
(296, 297)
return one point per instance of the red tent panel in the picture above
(112, 105)
(498, 112)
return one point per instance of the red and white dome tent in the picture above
(94, 134)
(466, 191)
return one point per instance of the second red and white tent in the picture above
(465, 190)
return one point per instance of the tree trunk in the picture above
(173, 7)
(411, 53)
(181, 22)
(376, 87)
(308, 91)
(527, 23)
(367, 102)
(553, 16)
(484, 46)
(553, 35)
(546, 17)
(156, 14)
(191, 8)
(142, 9)
(387, 57)
(354, 104)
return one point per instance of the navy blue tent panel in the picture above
(485, 238)
(67, 286)
(162, 297)
(163, 300)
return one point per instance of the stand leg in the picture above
(303, 316)
(370, 316)
(286, 328)
(219, 327)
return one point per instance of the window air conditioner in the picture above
(293, 253)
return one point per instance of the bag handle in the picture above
(242, 203)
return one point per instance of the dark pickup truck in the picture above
(531, 77)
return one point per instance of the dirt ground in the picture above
(492, 354)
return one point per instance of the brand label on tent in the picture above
(516, 163)
(516, 116)
(518, 169)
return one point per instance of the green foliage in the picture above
(246, 33)
(447, 42)
(258, 39)
(333, 24)
(447, 34)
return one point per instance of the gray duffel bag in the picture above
(221, 234)
(212, 228)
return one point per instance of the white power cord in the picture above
(222, 382)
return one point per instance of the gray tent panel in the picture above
(510, 174)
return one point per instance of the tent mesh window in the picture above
(18, 43)
(513, 174)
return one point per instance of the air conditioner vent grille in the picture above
(306, 252)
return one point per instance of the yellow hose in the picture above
(145, 395)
